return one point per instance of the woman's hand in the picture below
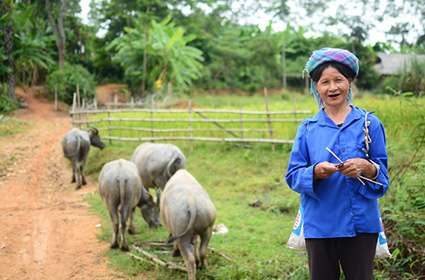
(324, 169)
(357, 166)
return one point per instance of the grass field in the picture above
(236, 176)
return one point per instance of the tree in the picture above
(56, 14)
(8, 32)
(172, 60)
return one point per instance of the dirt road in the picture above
(47, 231)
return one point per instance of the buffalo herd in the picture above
(182, 205)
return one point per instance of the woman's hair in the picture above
(316, 73)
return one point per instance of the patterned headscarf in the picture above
(326, 55)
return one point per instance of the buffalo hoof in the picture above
(78, 187)
(73, 180)
(84, 183)
(176, 253)
(132, 230)
(125, 248)
(114, 245)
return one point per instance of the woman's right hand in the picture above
(324, 169)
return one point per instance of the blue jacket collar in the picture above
(322, 118)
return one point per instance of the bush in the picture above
(65, 81)
(7, 104)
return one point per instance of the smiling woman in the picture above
(341, 212)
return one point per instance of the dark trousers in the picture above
(354, 254)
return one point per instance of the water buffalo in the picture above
(76, 145)
(122, 190)
(157, 163)
(187, 212)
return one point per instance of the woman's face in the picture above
(333, 88)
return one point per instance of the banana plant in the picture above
(172, 61)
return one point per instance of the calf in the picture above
(187, 212)
(122, 190)
(76, 145)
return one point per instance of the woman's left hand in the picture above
(357, 166)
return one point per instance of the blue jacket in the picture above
(339, 206)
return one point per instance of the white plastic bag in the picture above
(296, 240)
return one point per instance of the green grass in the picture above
(236, 176)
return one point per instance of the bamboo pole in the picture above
(190, 123)
(184, 111)
(269, 123)
(241, 124)
(205, 139)
(109, 130)
(78, 97)
(152, 119)
(56, 98)
(215, 121)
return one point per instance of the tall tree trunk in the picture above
(8, 49)
(58, 29)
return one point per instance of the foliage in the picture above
(411, 79)
(404, 204)
(65, 82)
(6, 104)
(172, 60)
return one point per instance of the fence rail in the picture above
(134, 124)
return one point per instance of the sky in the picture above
(262, 20)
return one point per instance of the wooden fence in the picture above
(191, 124)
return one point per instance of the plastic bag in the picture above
(296, 240)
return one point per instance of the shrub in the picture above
(7, 104)
(65, 81)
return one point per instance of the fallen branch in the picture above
(215, 251)
(156, 260)
(158, 244)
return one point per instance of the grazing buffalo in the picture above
(122, 190)
(187, 212)
(76, 145)
(157, 163)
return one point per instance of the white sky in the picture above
(262, 20)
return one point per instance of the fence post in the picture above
(78, 96)
(241, 123)
(115, 101)
(190, 123)
(109, 126)
(151, 120)
(56, 98)
(266, 100)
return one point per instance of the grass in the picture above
(236, 176)
(10, 126)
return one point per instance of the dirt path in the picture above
(47, 231)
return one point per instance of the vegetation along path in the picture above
(47, 231)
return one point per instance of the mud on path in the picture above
(47, 231)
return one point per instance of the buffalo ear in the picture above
(94, 130)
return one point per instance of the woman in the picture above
(340, 171)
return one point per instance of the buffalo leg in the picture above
(78, 175)
(187, 250)
(203, 247)
(113, 213)
(82, 176)
(131, 227)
